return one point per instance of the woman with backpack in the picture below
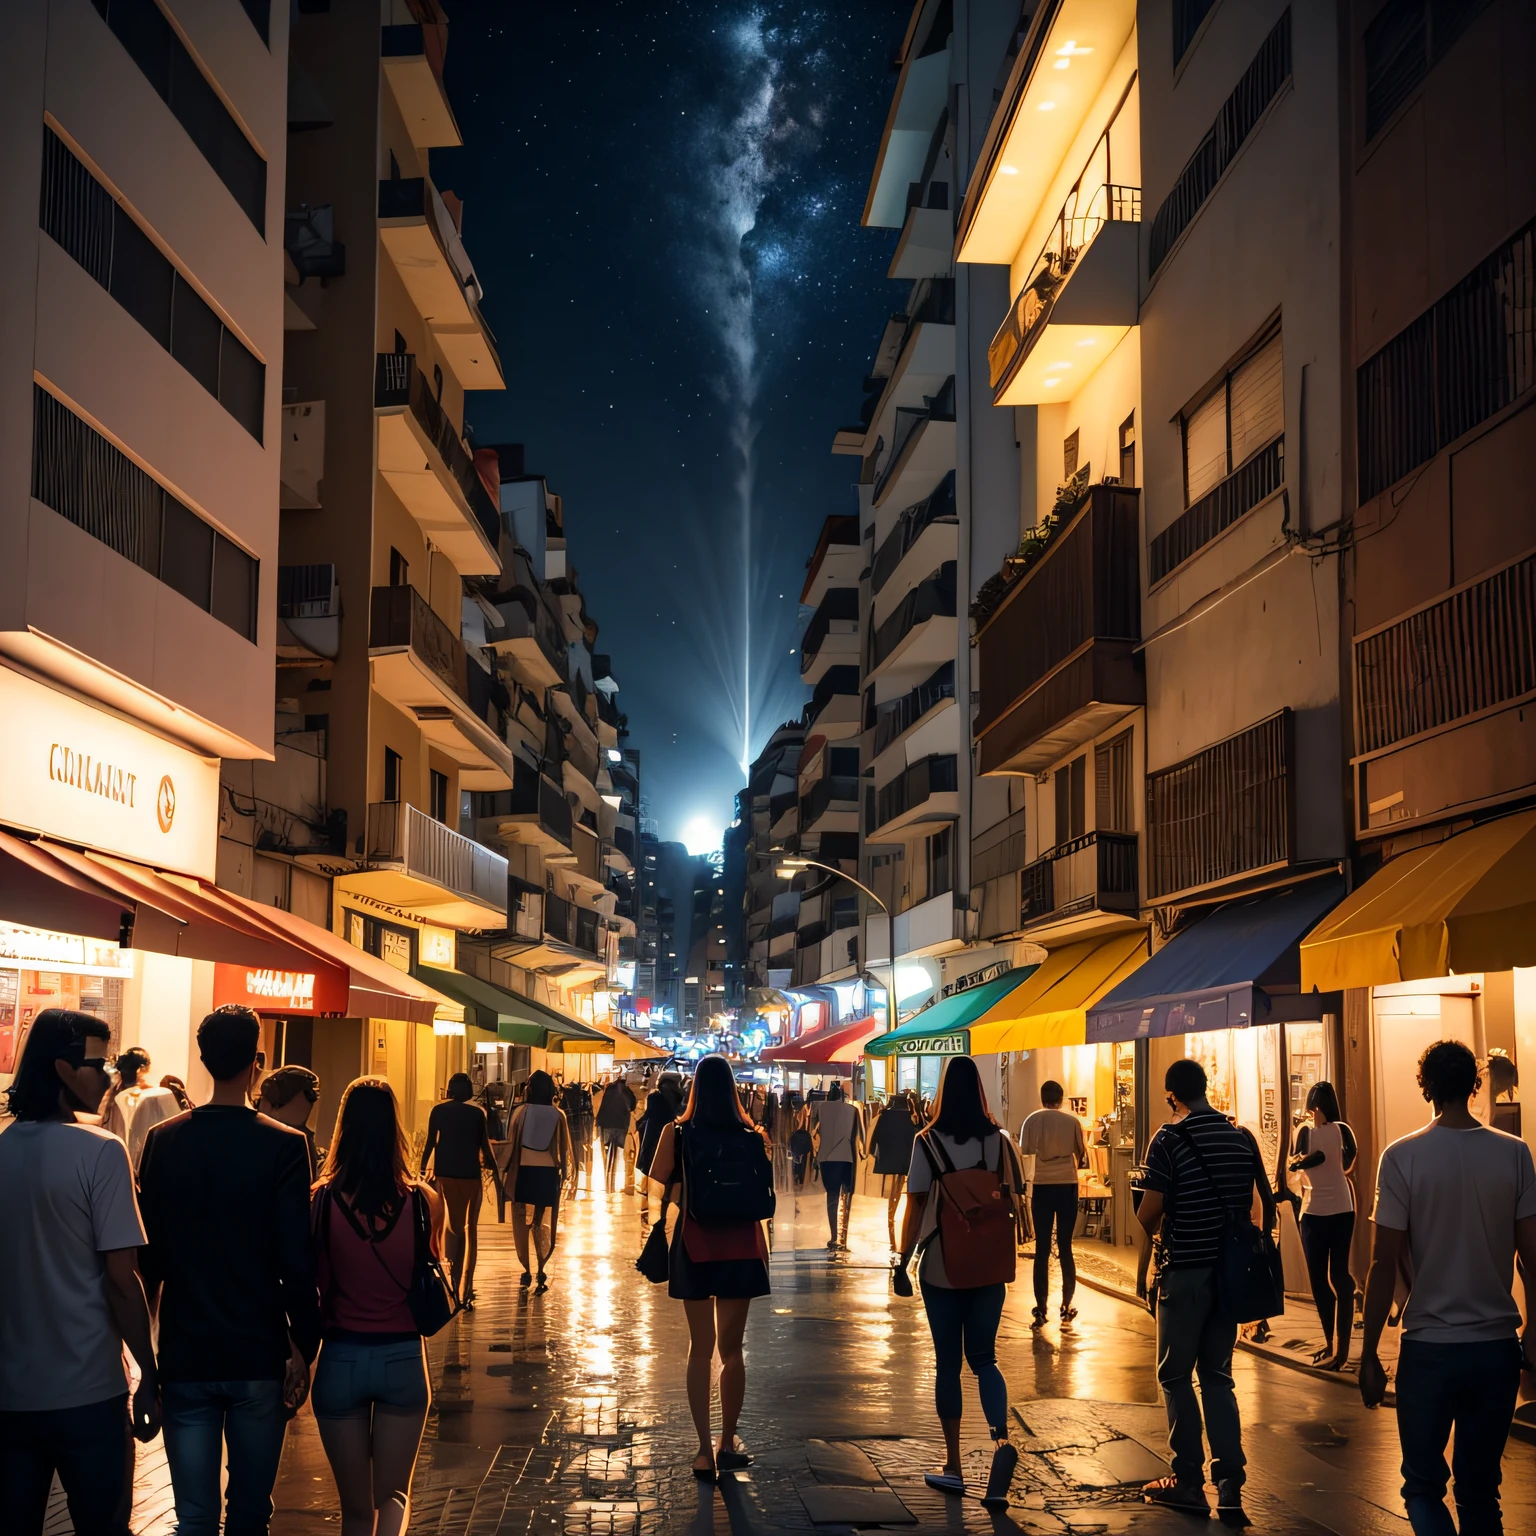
(718, 1259)
(374, 1226)
(962, 1207)
(540, 1152)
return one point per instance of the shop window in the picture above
(929, 1070)
(391, 774)
(1243, 414)
(906, 1074)
(1071, 782)
(1128, 450)
(439, 793)
(1114, 808)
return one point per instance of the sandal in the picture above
(704, 1474)
(946, 1480)
(1325, 1353)
(732, 1460)
(1037, 1317)
(1068, 1313)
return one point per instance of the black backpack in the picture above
(728, 1177)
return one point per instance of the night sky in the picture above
(662, 202)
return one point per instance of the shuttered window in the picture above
(1244, 414)
(1205, 444)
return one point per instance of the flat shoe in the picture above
(704, 1474)
(945, 1482)
(732, 1461)
(1172, 1494)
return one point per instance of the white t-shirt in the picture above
(985, 1153)
(66, 1199)
(1458, 1195)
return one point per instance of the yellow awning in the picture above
(1467, 904)
(1051, 1008)
(616, 1043)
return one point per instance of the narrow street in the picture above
(567, 1412)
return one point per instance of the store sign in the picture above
(36, 948)
(438, 946)
(976, 978)
(937, 1045)
(274, 991)
(87, 777)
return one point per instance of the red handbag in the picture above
(711, 1245)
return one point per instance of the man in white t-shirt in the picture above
(69, 1275)
(1455, 1202)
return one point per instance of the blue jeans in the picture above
(1470, 1386)
(1191, 1336)
(964, 1324)
(90, 1448)
(200, 1418)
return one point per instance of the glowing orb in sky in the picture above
(700, 835)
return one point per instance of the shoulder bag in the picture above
(1250, 1283)
(430, 1298)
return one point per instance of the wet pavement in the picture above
(567, 1413)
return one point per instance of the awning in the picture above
(615, 1042)
(512, 1019)
(1051, 1007)
(1219, 973)
(842, 1043)
(1467, 904)
(943, 1027)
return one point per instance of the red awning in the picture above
(845, 1043)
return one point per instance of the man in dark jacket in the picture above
(614, 1113)
(224, 1194)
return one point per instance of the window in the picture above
(1243, 414)
(843, 762)
(439, 792)
(80, 214)
(1114, 809)
(85, 478)
(1404, 41)
(1069, 455)
(940, 871)
(399, 569)
(1187, 16)
(1128, 450)
(142, 28)
(400, 346)
(1071, 800)
(391, 774)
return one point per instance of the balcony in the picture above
(832, 636)
(411, 50)
(830, 805)
(530, 638)
(1080, 886)
(927, 790)
(922, 447)
(534, 812)
(936, 510)
(1056, 661)
(308, 614)
(303, 468)
(894, 720)
(424, 243)
(836, 700)
(1258, 478)
(1081, 297)
(1225, 812)
(920, 633)
(419, 665)
(431, 871)
(429, 469)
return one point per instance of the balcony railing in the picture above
(939, 407)
(401, 616)
(938, 507)
(826, 793)
(1063, 639)
(1466, 653)
(398, 381)
(400, 835)
(930, 599)
(1086, 211)
(894, 719)
(841, 604)
(921, 780)
(1224, 812)
(1093, 872)
(524, 617)
(307, 592)
(1261, 475)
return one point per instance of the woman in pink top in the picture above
(370, 1392)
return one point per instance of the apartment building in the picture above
(143, 336)
(770, 812)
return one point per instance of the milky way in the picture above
(663, 204)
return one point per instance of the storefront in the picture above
(59, 970)
(835, 1053)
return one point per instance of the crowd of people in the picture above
(242, 1270)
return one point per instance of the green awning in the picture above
(942, 1028)
(512, 1019)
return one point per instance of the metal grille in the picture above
(1471, 651)
(76, 209)
(1260, 84)
(1222, 812)
(1463, 360)
(1218, 509)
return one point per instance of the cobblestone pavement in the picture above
(567, 1413)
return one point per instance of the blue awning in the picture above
(1237, 967)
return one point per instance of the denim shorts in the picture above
(352, 1378)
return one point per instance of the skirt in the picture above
(728, 1279)
(537, 1185)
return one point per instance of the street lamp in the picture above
(788, 866)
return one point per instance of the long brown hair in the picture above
(712, 1098)
(960, 1106)
(367, 1160)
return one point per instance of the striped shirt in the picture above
(1192, 1229)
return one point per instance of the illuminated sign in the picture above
(68, 951)
(274, 991)
(88, 777)
(937, 1045)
